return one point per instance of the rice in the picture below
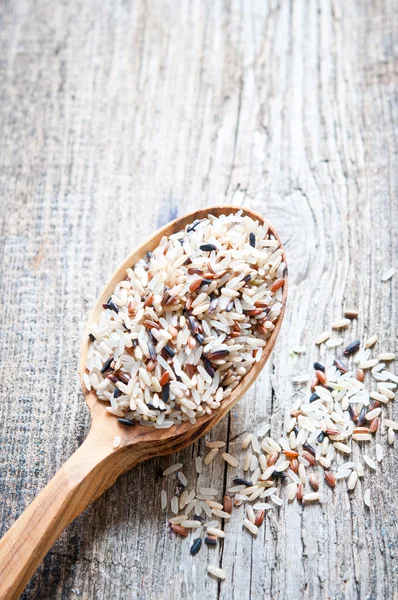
(182, 478)
(291, 490)
(221, 514)
(216, 572)
(203, 298)
(371, 341)
(370, 462)
(208, 491)
(209, 524)
(341, 324)
(299, 350)
(247, 440)
(386, 275)
(264, 429)
(322, 337)
(334, 342)
(191, 524)
(177, 520)
(311, 497)
(379, 452)
(247, 461)
(327, 425)
(386, 356)
(231, 460)
(172, 469)
(174, 505)
(210, 456)
(250, 513)
(250, 526)
(352, 480)
(215, 444)
(276, 500)
(216, 532)
(214, 504)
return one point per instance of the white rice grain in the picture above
(250, 526)
(231, 460)
(322, 337)
(172, 469)
(216, 572)
(386, 275)
(370, 462)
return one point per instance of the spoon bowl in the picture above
(95, 466)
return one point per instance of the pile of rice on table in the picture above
(188, 322)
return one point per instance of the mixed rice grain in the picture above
(188, 322)
(341, 415)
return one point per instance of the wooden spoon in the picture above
(95, 466)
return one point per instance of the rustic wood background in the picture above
(116, 116)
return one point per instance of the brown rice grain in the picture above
(211, 456)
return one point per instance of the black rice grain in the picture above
(193, 324)
(210, 541)
(241, 481)
(169, 351)
(361, 418)
(107, 365)
(309, 449)
(166, 392)
(319, 367)
(353, 413)
(126, 422)
(196, 546)
(208, 247)
(152, 351)
(217, 355)
(111, 306)
(194, 225)
(252, 240)
(351, 348)
(199, 338)
(92, 337)
(279, 475)
(208, 367)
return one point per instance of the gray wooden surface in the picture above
(115, 116)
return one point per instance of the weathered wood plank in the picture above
(116, 117)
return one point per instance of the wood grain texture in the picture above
(117, 116)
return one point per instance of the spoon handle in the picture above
(91, 470)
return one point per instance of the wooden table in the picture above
(116, 116)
